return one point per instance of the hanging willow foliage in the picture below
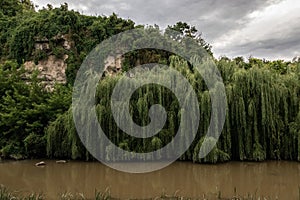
(64, 143)
(262, 116)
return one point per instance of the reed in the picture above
(103, 195)
(6, 194)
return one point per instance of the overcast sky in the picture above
(262, 28)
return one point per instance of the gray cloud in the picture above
(285, 47)
(214, 18)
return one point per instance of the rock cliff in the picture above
(53, 69)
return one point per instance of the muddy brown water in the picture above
(269, 179)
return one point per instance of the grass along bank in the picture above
(7, 194)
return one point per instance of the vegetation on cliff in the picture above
(26, 108)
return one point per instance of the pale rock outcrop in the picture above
(113, 65)
(52, 69)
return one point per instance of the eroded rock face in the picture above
(64, 41)
(113, 65)
(52, 70)
(42, 44)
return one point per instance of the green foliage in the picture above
(35, 145)
(214, 156)
(10, 7)
(20, 34)
(59, 52)
(8, 149)
(65, 143)
(26, 109)
(262, 119)
(183, 30)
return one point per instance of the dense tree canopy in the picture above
(262, 119)
(182, 30)
(26, 108)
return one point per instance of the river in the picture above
(269, 179)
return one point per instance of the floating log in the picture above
(42, 163)
(61, 161)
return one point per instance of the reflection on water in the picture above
(270, 179)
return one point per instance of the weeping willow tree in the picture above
(214, 156)
(64, 143)
(263, 107)
(262, 116)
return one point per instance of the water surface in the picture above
(269, 179)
